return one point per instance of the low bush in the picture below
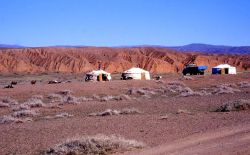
(110, 112)
(99, 144)
(237, 105)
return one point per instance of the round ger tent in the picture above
(136, 74)
(98, 75)
(223, 69)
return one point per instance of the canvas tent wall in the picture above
(223, 69)
(98, 75)
(136, 74)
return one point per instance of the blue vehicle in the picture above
(193, 69)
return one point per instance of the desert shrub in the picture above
(34, 103)
(176, 83)
(84, 99)
(244, 84)
(21, 107)
(96, 97)
(224, 89)
(141, 91)
(126, 111)
(183, 111)
(186, 78)
(166, 116)
(40, 97)
(55, 97)
(99, 144)
(62, 115)
(24, 120)
(65, 92)
(25, 113)
(109, 112)
(9, 101)
(125, 97)
(7, 120)
(234, 106)
(3, 105)
(10, 119)
(108, 98)
(69, 99)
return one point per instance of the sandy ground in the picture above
(199, 131)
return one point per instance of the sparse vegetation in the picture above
(183, 111)
(10, 119)
(61, 115)
(110, 112)
(7, 102)
(25, 113)
(225, 89)
(99, 144)
(237, 105)
(3, 105)
(244, 84)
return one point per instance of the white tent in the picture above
(136, 74)
(223, 69)
(98, 75)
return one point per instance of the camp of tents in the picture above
(135, 73)
(131, 74)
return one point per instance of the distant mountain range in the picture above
(203, 48)
(10, 46)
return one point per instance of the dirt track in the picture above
(230, 141)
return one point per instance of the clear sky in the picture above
(124, 22)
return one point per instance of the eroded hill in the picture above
(77, 60)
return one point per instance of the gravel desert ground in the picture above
(175, 115)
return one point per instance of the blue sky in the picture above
(124, 22)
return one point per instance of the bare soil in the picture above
(169, 123)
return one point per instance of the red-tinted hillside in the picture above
(77, 60)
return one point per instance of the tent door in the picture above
(226, 70)
(223, 71)
(99, 77)
(143, 76)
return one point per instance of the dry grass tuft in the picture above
(69, 99)
(34, 103)
(7, 120)
(61, 115)
(110, 112)
(99, 144)
(244, 84)
(65, 92)
(10, 119)
(3, 105)
(183, 111)
(55, 97)
(40, 97)
(237, 105)
(25, 113)
(224, 89)
(7, 102)
(186, 78)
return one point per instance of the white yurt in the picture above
(224, 69)
(98, 75)
(136, 74)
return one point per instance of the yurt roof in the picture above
(135, 70)
(223, 66)
(97, 72)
